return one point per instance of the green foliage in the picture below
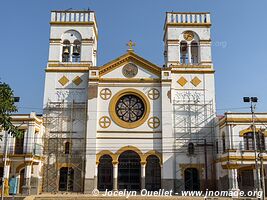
(7, 107)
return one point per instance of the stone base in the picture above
(88, 185)
(167, 184)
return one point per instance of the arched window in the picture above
(76, 52)
(248, 141)
(191, 148)
(67, 148)
(194, 52)
(66, 51)
(183, 52)
(260, 141)
(223, 143)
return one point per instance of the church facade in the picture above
(129, 124)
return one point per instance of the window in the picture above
(191, 148)
(66, 51)
(194, 52)
(76, 53)
(260, 141)
(19, 144)
(67, 148)
(223, 143)
(217, 146)
(248, 141)
(183, 53)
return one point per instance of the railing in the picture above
(194, 18)
(72, 16)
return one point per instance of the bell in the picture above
(75, 51)
(66, 51)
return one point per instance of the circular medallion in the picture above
(153, 122)
(153, 94)
(104, 122)
(105, 94)
(188, 35)
(130, 70)
(129, 108)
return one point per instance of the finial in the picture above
(131, 44)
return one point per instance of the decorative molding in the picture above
(63, 80)
(77, 80)
(195, 81)
(182, 81)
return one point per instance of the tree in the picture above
(7, 107)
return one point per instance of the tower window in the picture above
(249, 141)
(183, 53)
(191, 148)
(76, 53)
(223, 143)
(67, 148)
(194, 52)
(66, 51)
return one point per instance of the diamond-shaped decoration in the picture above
(77, 80)
(196, 81)
(182, 81)
(63, 80)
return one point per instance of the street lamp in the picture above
(253, 101)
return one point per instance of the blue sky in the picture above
(238, 34)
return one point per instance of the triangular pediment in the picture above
(129, 57)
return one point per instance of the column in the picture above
(115, 175)
(189, 54)
(96, 174)
(27, 181)
(233, 182)
(143, 175)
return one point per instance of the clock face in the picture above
(188, 35)
(130, 70)
(130, 108)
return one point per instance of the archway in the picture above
(105, 173)
(21, 179)
(129, 171)
(66, 179)
(191, 179)
(153, 173)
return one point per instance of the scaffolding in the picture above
(193, 122)
(64, 146)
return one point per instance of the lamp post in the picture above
(253, 101)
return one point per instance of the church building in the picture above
(129, 124)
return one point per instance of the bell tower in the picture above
(189, 69)
(72, 50)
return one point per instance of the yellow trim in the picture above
(173, 24)
(67, 69)
(104, 122)
(250, 130)
(142, 132)
(191, 66)
(153, 153)
(130, 148)
(193, 71)
(67, 64)
(130, 80)
(127, 58)
(105, 152)
(112, 108)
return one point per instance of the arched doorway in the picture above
(153, 173)
(66, 179)
(129, 171)
(191, 179)
(105, 173)
(21, 180)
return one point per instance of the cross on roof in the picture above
(131, 44)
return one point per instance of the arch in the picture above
(129, 148)
(105, 152)
(194, 52)
(191, 148)
(67, 147)
(105, 173)
(71, 35)
(196, 36)
(153, 153)
(153, 173)
(129, 171)
(19, 168)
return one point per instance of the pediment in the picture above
(146, 68)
